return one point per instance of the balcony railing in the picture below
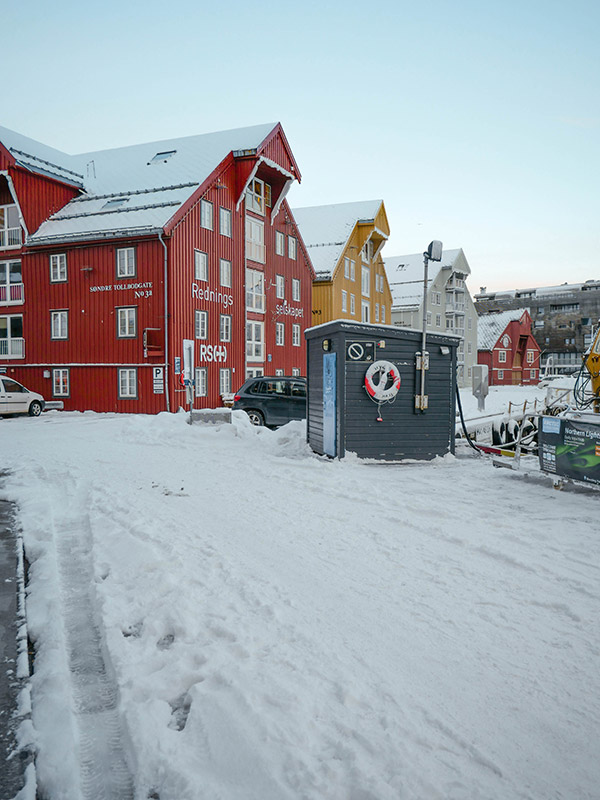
(10, 237)
(12, 293)
(12, 348)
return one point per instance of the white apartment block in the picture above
(450, 308)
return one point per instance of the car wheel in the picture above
(255, 417)
(35, 409)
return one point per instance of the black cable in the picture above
(462, 422)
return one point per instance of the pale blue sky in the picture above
(477, 123)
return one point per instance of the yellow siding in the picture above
(327, 296)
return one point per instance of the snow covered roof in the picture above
(405, 275)
(539, 291)
(326, 230)
(491, 326)
(153, 179)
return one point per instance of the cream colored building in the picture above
(344, 242)
(450, 308)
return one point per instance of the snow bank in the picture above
(284, 626)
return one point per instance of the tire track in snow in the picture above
(104, 772)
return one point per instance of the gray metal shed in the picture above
(342, 417)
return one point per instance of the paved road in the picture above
(10, 769)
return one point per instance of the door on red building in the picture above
(517, 369)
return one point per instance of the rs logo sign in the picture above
(212, 352)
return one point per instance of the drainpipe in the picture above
(166, 300)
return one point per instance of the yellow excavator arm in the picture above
(592, 362)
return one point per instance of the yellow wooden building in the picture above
(344, 242)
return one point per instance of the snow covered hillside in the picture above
(248, 621)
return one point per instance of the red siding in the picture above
(91, 294)
(40, 197)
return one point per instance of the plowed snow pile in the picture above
(272, 625)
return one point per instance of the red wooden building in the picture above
(505, 343)
(110, 260)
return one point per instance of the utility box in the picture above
(364, 391)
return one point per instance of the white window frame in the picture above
(225, 328)
(206, 215)
(255, 344)
(438, 320)
(58, 268)
(367, 251)
(61, 382)
(254, 372)
(296, 290)
(280, 287)
(256, 196)
(279, 334)
(532, 373)
(224, 380)
(500, 374)
(127, 383)
(352, 304)
(377, 313)
(200, 324)
(279, 373)
(224, 221)
(469, 348)
(365, 281)
(502, 356)
(255, 240)
(365, 311)
(295, 372)
(429, 317)
(347, 268)
(126, 262)
(127, 322)
(201, 382)
(292, 247)
(225, 272)
(530, 356)
(8, 240)
(59, 324)
(255, 290)
(279, 243)
(200, 265)
(382, 314)
(296, 334)
(344, 301)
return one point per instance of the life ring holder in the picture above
(377, 378)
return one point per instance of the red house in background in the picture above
(505, 343)
(110, 260)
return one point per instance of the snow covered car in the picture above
(272, 401)
(17, 399)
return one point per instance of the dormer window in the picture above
(258, 196)
(164, 156)
(367, 252)
(10, 227)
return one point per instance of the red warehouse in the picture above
(110, 260)
(505, 343)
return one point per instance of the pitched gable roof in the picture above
(326, 230)
(405, 274)
(151, 187)
(490, 327)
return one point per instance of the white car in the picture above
(16, 399)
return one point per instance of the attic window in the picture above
(162, 156)
(116, 202)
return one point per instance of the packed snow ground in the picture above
(277, 625)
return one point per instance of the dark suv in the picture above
(272, 401)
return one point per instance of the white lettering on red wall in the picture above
(212, 352)
(211, 295)
(140, 289)
(288, 310)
